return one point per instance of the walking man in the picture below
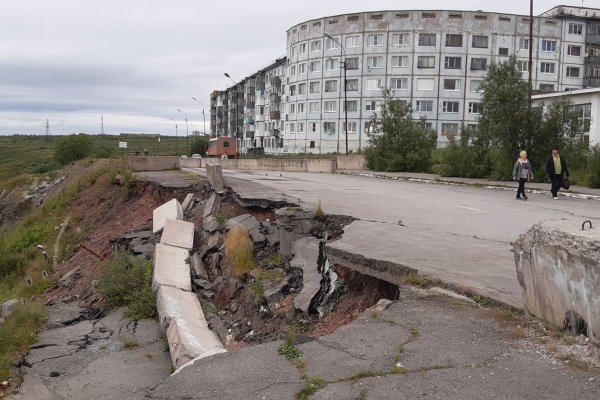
(557, 169)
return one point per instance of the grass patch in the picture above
(127, 281)
(415, 280)
(479, 300)
(319, 213)
(18, 333)
(239, 250)
(270, 275)
(414, 332)
(130, 343)
(310, 387)
(575, 362)
(362, 395)
(275, 259)
(257, 288)
(287, 348)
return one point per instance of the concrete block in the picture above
(214, 173)
(211, 207)
(171, 267)
(178, 233)
(210, 224)
(558, 267)
(351, 162)
(187, 202)
(176, 303)
(7, 308)
(170, 210)
(189, 339)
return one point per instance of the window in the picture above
(300, 108)
(292, 90)
(480, 42)
(315, 66)
(584, 116)
(523, 44)
(292, 127)
(478, 64)
(293, 70)
(453, 63)
(575, 29)
(455, 16)
(546, 87)
(353, 18)
(294, 51)
(351, 63)
(427, 15)
(548, 45)
(313, 107)
(449, 129)
(375, 40)
(351, 106)
(474, 108)
(351, 41)
(330, 44)
(351, 127)
(425, 83)
(292, 108)
(314, 87)
(352, 85)
(371, 105)
(424, 105)
(300, 127)
(331, 86)
(329, 106)
(399, 84)
(302, 68)
(454, 40)
(503, 51)
(376, 17)
(573, 72)
(523, 66)
(374, 84)
(303, 48)
(369, 127)
(312, 143)
(375, 62)
(426, 39)
(399, 61)
(399, 39)
(315, 45)
(547, 68)
(426, 62)
(331, 64)
(452, 84)
(450, 106)
(473, 128)
(302, 88)
(574, 50)
(329, 127)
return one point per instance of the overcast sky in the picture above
(137, 61)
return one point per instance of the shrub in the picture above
(239, 249)
(127, 281)
(464, 158)
(72, 148)
(594, 168)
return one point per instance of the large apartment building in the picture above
(433, 60)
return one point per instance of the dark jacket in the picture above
(550, 166)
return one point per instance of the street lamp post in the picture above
(187, 133)
(203, 116)
(343, 53)
(236, 104)
(176, 139)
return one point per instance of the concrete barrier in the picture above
(275, 164)
(153, 163)
(7, 308)
(191, 340)
(190, 162)
(170, 210)
(558, 266)
(176, 303)
(214, 174)
(178, 233)
(351, 162)
(171, 267)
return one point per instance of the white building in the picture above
(586, 103)
(433, 60)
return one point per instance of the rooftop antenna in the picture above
(47, 129)
(102, 125)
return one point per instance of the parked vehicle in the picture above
(222, 146)
(196, 156)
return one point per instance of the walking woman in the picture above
(522, 172)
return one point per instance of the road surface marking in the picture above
(469, 208)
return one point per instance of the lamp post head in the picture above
(227, 75)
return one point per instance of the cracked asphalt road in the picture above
(458, 234)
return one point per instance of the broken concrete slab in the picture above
(214, 173)
(198, 267)
(146, 249)
(187, 202)
(171, 267)
(250, 224)
(8, 307)
(70, 277)
(558, 266)
(212, 205)
(213, 243)
(172, 302)
(294, 223)
(190, 339)
(178, 233)
(210, 224)
(170, 210)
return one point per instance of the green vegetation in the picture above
(404, 144)
(287, 348)
(415, 280)
(127, 281)
(259, 291)
(130, 343)
(239, 250)
(319, 213)
(310, 387)
(18, 333)
(199, 146)
(72, 148)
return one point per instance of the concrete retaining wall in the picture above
(352, 162)
(558, 266)
(153, 163)
(276, 164)
(190, 163)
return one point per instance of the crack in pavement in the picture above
(338, 347)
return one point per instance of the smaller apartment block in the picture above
(432, 60)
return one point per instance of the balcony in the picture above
(250, 103)
(592, 60)
(275, 115)
(250, 120)
(260, 84)
(275, 98)
(259, 118)
(274, 132)
(591, 82)
(592, 38)
(276, 81)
